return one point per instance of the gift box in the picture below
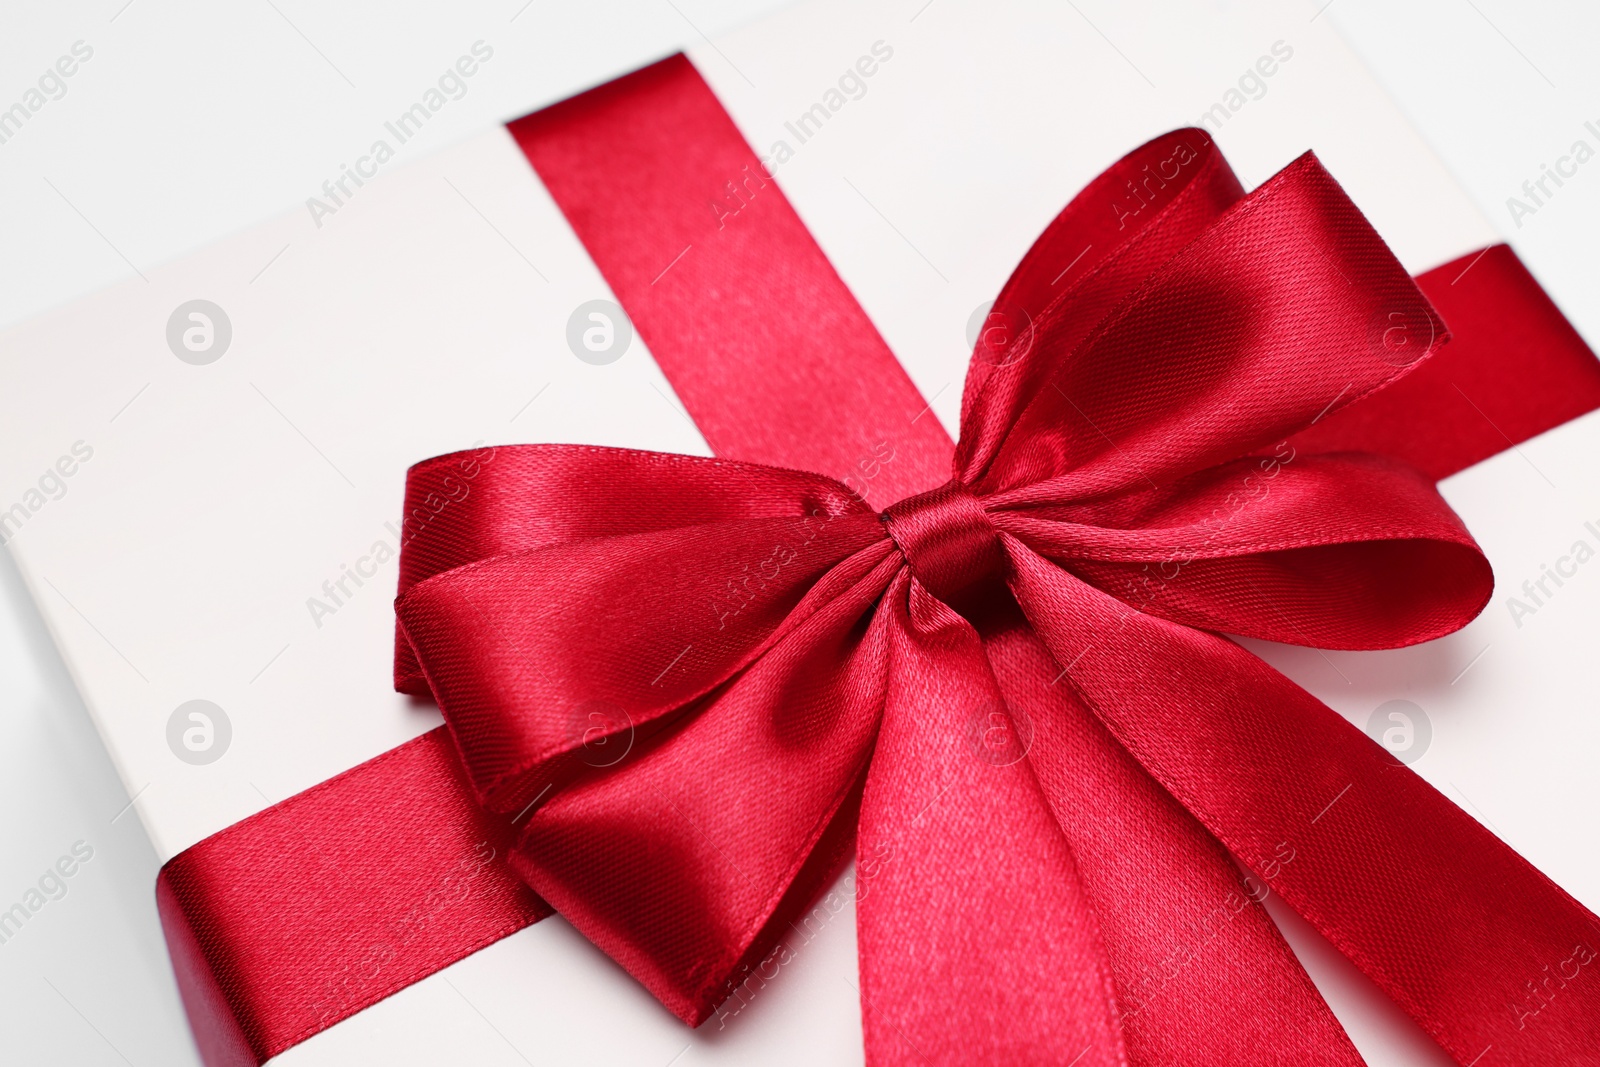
(214, 527)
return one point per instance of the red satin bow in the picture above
(705, 677)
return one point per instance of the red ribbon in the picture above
(705, 678)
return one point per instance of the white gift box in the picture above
(205, 508)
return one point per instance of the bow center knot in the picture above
(947, 540)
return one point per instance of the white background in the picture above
(192, 121)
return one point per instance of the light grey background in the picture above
(194, 120)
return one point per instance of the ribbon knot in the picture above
(947, 540)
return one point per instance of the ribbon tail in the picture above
(1203, 976)
(1496, 962)
(977, 942)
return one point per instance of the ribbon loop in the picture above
(1288, 307)
(1330, 551)
(684, 860)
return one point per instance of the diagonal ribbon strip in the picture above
(1088, 828)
